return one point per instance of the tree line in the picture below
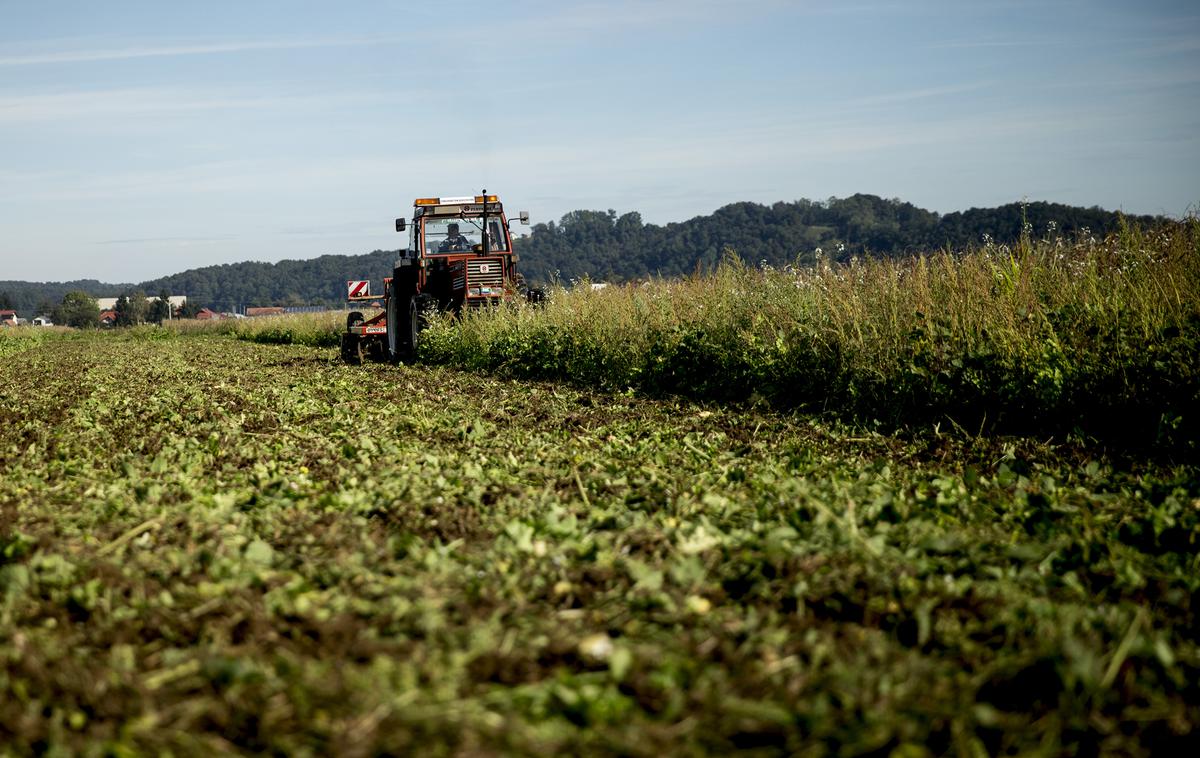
(31, 299)
(607, 247)
(79, 309)
(226, 287)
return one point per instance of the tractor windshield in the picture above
(457, 234)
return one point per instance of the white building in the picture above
(108, 303)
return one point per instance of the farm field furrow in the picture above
(208, 544)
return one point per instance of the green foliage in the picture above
(159, 309)
(288, 555)
(1049, 337)
(132, 309)
(18, 338)
(78, 309)
(605, 247)
(191, 308)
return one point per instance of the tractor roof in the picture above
(464, 205)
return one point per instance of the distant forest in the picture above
(227, 287)
(606, 247)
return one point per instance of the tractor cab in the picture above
(459, 255)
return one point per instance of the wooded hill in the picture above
(317, 281)
(227, 287)
(607, 247)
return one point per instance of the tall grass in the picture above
(1050, 334)
(322, 329)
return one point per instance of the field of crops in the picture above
(1052, 337)
(212, 544)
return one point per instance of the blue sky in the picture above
(139, 139)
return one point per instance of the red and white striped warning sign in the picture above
(358, 288)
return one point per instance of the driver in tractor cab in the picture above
(454, 242)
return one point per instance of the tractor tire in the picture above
(352, 349)
(396, 346)
(419, 308)
(532, 295)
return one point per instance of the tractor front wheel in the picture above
(397, 331)
(419, 308)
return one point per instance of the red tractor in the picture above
(459, 255)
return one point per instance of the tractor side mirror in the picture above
(399, 224)
(524, 216)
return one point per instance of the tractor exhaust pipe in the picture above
(487, 246)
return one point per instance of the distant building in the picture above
(108, 317)
(42, 321)
(305, 308)
(265, 311)
(8, 318)
(177, 302)
(205, 314)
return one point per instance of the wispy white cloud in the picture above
(224, 177)
(76, 106)
(1173, 45)
(974, 44)
(862, 9)
(595, 20)
(908, 96)
(558, 22)
(172, 240)
(84, 55)
(334, 230)
(1124, 85)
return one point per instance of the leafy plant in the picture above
(209, 544)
